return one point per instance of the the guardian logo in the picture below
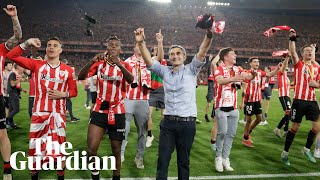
(56, 154)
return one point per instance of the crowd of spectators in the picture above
(66, 20)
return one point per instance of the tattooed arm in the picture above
(14, 40)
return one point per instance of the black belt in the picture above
(178, 118)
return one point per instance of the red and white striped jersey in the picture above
(303, 74)
(264, 84)
(283, 84)
(253, 91)
(271, 80)
(61, 78)
(32, 82)
(111, 86)
(225, 95)
(142, 77)
(3, 53)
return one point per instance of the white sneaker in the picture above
(218, 164)
(276, 132)
(7, 177)
(139, 162)
(149, 141)
(88, 107)
(226, 165)
(263, 123)
(316, 153)
(242, 121)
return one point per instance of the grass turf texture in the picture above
(264, 158)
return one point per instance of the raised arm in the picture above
(313, 55)
(205, 45)
(15, 53)
(285, 63)
(139, 34)
(274, 72)
(160, 54)
(17, 32)
(84, 71)
(292, 48)
(214, 62)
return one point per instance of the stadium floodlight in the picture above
(161, 1)
(211, 3)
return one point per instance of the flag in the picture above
(156, 81)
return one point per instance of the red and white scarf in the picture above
(273, 30)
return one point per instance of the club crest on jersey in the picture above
(62, 73)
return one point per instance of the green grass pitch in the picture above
(264, 158)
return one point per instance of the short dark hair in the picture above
(252, 58)
(224, 52)
(112, 38)
(56, 39)
(7, 62)
(303, 47)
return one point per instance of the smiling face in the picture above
(53, 49)
(114, 47)
(230, 58)
(177, 56)
(254, 64)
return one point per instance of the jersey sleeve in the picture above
(72, 84)
(218, 72)
(93, 69)
(15, 56)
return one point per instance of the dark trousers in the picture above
(14, 107)
(179, 135)
(31, 101)
(69, 106)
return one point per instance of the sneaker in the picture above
(149, 141)
(206, 118)
(226, 165)
(285, 134)
(15, 127)
(316, 153)
(74, 120)
(198, 121)
(242, 121)
(276, 132)
(139, 162)
(307, 152)
(88, 107)
(218, 164)
(213, 147)
(285, 158)
(60, 177)
(249, 138)
(263, 123)
(247, 143)
(7, 177)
